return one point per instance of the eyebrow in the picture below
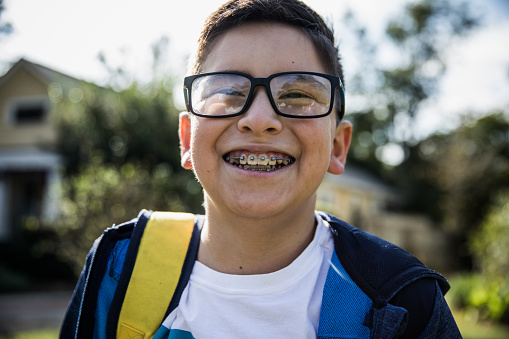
(228, 70)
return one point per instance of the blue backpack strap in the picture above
(81, 318)
(125, 276)
(344, 305)
(388, 322)
(379, 269)
(442, 323)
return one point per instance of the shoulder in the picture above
(123, 240)
(398, 284)
(380, 268)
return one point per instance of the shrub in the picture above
(487, 289)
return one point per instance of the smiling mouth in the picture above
(259, 162)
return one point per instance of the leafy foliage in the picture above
(121, 154)
(135, 128)
(488, 290)
(102, 194)
(490, 243)
(460, 172)
(451, 177)
(30, 261)
(392, 98)
(5, 27)
(482, 296)
(454, 178)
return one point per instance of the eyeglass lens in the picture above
(292, 94)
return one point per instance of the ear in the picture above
(185, 140)
(340, 146)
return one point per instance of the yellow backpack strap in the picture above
(161, 254)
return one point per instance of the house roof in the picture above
(358, 179)
(45, 74)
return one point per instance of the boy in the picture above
(264, 124)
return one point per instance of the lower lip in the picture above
(257, 173)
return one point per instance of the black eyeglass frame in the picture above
(335, 81)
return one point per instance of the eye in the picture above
(219, 86)
(228, 91)
(301, 89)
(295, 95)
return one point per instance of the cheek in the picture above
(200, 134)
(198, 140)
(205, 136)
(317, 142)
(319, 135)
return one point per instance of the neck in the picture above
(236, 244)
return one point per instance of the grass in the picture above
(468, 323)
(472, 328)
(35, 334)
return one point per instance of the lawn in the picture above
(469, 327)
(37, 334)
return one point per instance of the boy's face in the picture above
(313, 146)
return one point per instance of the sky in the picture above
(69, 35)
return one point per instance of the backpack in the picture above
(151, 286)
(145, 293)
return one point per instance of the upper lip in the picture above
(260, 149)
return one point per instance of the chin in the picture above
(258, 211)
(263, 208)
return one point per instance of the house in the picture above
(368, 203)
(356, 196)
(29, 164)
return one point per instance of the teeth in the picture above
(263, 159)
(252, 160)
(261, 162)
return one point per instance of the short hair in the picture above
(291, 12)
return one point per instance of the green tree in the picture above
(487, 290)
(455, 177)
(121, 152)
(490, 243)
(5, 27)
(392, 95)
(102, 194)
(450, 177)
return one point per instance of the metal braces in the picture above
(252, 157)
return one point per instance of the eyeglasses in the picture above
(302, 95)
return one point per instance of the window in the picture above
(29, 110)
(29, 114)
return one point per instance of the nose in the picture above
(260, 116)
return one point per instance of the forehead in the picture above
(262, 49)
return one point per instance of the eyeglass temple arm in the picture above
(186, 98)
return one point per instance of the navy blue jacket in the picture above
(373, 288)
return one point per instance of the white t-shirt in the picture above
(282, 304)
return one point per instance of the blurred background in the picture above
(89, 99)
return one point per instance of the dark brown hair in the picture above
(291, 12)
